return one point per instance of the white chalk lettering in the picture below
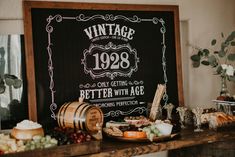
(109, 29)
(120, 92)
(137, 90)
(119, 83)
(96, 93)
(126, 103)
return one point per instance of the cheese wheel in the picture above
(134, 134)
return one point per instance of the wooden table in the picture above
(187, 143)
(208, 143)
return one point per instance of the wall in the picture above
(202, 21)
(206, 19)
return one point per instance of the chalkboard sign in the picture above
(112, 55)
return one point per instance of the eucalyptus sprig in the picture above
(217, 59)
(11, 81)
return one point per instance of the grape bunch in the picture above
(60, 135)
(41, 142)
(79, 137)
(69, 136)
(151, 132)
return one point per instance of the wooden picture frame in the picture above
(34, 9)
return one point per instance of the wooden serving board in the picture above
(61, 151)
(155, 139)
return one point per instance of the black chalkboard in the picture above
(112, 55)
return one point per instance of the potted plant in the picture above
(220, 60)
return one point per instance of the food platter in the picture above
(74, 149)
(139, 129)
(155, 139)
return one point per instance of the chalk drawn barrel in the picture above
(80, 115)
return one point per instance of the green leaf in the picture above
(219, 69)
(9, 79)
(224, 45)
(195, 58)
(213, 42)
(222, 34)
(230, 37)
(232, 78)
(2, 81)
(196, 64)
(211, 59)
(10, 76)
(2, 89)
(2, 50)
(17, 83)
(200, 53)
(205, 63)
(233, 43)
(231, 57)
(221, 53)
(206, 52)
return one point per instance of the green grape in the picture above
(156, 131)
(38, 145)
(54, 141)
(159, 134)
(48, 138)
(32, 147)
(151, 136)
(37, 138)
(152, 127)
(145, 129)
(43, 139)
(48, 145)
(27, 147)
